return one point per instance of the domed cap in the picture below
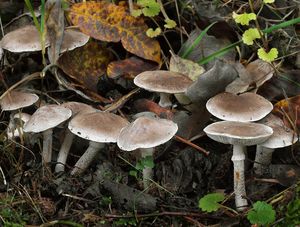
(73, 39)
(163, 81)
(282, 136)
(77, 107)
(244, 108)
(14, 100)
(102, 127)
(24, 39)
(238, 133)
(146, 132)
(47, 117)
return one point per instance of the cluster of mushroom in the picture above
(239, 112)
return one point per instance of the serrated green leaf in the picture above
(136, 12)
(150, 7)
(269, 1)
(170, 23)
(268, 57)
(244, 18)
(250, 35)
(211, 201)
(262, 213)
(153, 33)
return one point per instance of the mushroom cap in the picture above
(47, 117)
(73, 39)
(282, 136)
(77, 107)
(16, 99)
(163, 81)
(102, 127)
(238, 133)
(24, 39)
(244, 108)
(146, 132)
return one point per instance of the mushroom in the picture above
(282, 137)
(244, 108)
(164, 82)
(76, 108)
(17, 99)
(16, 125)
(44, 120)
(240, 135)
(146, 133)
(25, 39)
(73, 39)
(98, 128)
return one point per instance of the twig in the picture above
(183, 140)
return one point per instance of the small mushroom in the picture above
(282, 137)
(44, 120)
(164, 82)
(240, 135)
(17, 99)
(76, 108)
(99, 128)
(244, 108)
(16, 125)
(73, 39)
(146, 133)
(25, 39)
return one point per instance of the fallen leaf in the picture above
(55, 28)
(129, 67)
(113, 23)
(86, 64)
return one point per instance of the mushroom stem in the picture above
(147, 171)
(86, 159)
(238, 159)
(165, 100)
(47, 146)
(64, 151)
(263, 158)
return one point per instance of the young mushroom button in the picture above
(164, 82)
(146, 133)
(44, 120)
(246, 107)
(282, 137)
(99, 128)
(240, 135)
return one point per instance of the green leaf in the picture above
(136, 12)
(269, 1)
(262, 213)
(250, 35)
(133, 173)
(268, 57)
(210, 203)
(150, 7)
(170, 23)
(147, 162)
(153, 33)
(244, 18)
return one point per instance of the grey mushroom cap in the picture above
(244, 108)
(238, 133)
(73, 39)
(16, 99)
(282, 136)
(25, 39)
(163, 81)
(47, 117)
(78, 107)
(102, 127)
(146, 132)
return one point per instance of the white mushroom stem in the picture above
(165, 100)
(263, 158)
(47, 146)
(238, 159)
(147, 172)
(64, 151)
(88, 156)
